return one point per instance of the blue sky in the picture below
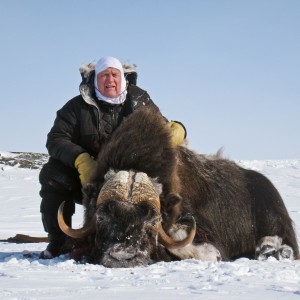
(229, 70)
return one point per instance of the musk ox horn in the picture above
(171, 244)
(133, 187)
(130, 186)
(123, 186)
(74, 233)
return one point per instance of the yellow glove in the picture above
(85, 165)
(178, 132)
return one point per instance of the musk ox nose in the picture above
(118, 253)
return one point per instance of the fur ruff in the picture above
(86, 68)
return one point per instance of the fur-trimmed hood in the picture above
(87, 72)
(86, 69)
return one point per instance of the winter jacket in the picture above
(84, 123)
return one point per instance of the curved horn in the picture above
(144, 189)
(74, 233)
(116, 187)
(169, 243)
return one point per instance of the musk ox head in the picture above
(126, 227)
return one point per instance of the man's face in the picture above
(109, 82)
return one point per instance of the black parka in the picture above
(84, 123)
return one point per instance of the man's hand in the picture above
(85, 165)
(178, 132)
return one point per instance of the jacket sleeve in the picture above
(63, 138)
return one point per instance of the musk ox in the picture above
(150, 200)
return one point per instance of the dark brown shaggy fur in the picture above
(233, 207)
(144, 146)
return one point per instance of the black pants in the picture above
(58, 183)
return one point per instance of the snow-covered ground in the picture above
(24, 277)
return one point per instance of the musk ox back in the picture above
(206, 207)
(235, 209)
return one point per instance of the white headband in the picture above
(110, 62)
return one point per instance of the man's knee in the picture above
(56, 177)
(58, 183)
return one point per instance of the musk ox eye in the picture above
(110, 206)
(147, 211)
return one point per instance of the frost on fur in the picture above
(272, 246)
(203, 251)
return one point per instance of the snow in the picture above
(24, 276)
